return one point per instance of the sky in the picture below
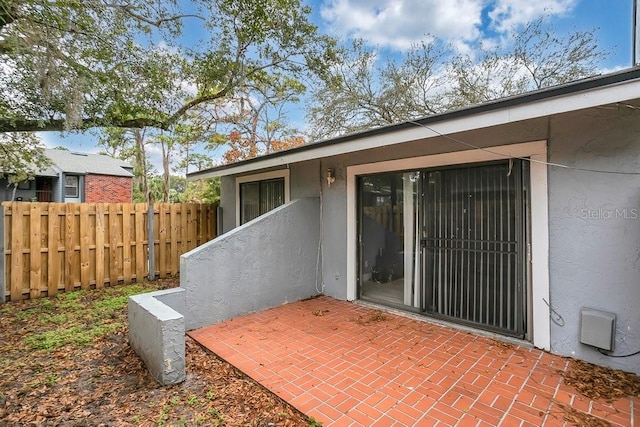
(393, 25)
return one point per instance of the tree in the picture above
(130, 145)
(364, 92)
(254, 121)
(537, 59)
(20, 155)
(81, 64)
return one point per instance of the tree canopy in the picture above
(91, 63)
(365, 91)
(78, 64)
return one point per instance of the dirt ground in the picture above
(66, 361)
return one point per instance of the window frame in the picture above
(265, 176)
(24, 185)
(77, 187)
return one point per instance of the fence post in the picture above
(151, 238)
(3, 285)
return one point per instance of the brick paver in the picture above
(347, 364)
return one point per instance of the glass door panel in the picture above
(388, 238)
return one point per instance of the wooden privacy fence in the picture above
(54, 247)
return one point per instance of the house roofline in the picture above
(571, 89)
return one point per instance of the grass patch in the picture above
(77, 335)
(79, 318)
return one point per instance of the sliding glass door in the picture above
(448, 242)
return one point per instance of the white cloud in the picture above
(507, 14)
(400, 23)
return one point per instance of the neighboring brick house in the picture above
(74, 178)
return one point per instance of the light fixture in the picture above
(331, 177)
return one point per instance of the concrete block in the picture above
(156, 334)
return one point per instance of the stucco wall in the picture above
(228, 202)
(594, 227)
(261, 264)
(594, 219)
(305, 179)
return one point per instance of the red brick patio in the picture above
(349, 365)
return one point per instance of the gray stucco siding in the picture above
(594, 227)
(228, 202)
(594, 218)
(156, 334)
(308, 178)
(266, 262)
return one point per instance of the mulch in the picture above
(107, 384)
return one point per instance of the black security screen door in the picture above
(473, 229)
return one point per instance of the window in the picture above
(259, 193)
(71, 186)
(24, 185)
(259, 197)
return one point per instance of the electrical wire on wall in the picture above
(526, 159)
(320, 257)
(621, 355)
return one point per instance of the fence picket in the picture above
(174, 221)
(184, 235)
(126, 242)
(35, 249)
(85, 242)
(162, 235)
(113, 244)
(17, 244)
(53, 248)
(100, 238)
(141, 240)
(69, 248)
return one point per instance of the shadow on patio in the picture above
(345, 364)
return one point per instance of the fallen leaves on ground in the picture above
(320, 312)
(95, 378)
(599, 382)
(502, 345)
(578, 418)
(375, 317)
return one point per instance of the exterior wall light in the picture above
(331, 177)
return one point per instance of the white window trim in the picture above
(537, 151)
(282, 173)
(77, 187)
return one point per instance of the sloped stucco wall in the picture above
(264, 263)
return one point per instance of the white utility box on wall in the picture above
(597, 328)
